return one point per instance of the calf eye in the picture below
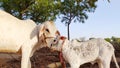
(54, 40)
(47, 30)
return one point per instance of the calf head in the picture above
(58, 43)
(48, 32)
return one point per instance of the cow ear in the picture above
(62, 37)
(41, 30)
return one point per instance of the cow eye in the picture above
(47, 30)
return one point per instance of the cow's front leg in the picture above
(25, 61)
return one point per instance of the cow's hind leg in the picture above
(106, 61)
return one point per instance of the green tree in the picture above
(108, 39)
(37, 10)
(40, 10)
(75, 10)
(115, 40)
(17, 8)
(44, 10)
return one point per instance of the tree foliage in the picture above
(76, 10)
(113, 40)
(40, 10)
(37, 10)
(108, 39)
(44, 10)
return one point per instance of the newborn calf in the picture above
(77, 53)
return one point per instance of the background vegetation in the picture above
(41, 10)
(115, 41)
(69, 11)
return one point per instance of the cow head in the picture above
(48, 32)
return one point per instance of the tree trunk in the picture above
(68, 29)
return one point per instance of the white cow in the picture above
(24, 36)
(78, 53)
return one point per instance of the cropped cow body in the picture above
(78, 53)
(24, 36)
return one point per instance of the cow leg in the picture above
(29, 64)
(74, 65)
(106, 64)
(106, 61)
(99, 62)
(25, 62)
(100, 65)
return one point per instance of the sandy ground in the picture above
(42, 58)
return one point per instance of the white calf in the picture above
(78, 53)
(24, 36)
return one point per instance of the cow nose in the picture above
(51, 46)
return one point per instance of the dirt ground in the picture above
(43, 57)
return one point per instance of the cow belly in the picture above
(9, 46)
(10, 39)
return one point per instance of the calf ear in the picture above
(62, 37)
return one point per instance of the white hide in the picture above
(77, 53)
(23, 36)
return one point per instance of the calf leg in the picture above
(100, 65)
(106, 64)
(74, 65)
(106, 61)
